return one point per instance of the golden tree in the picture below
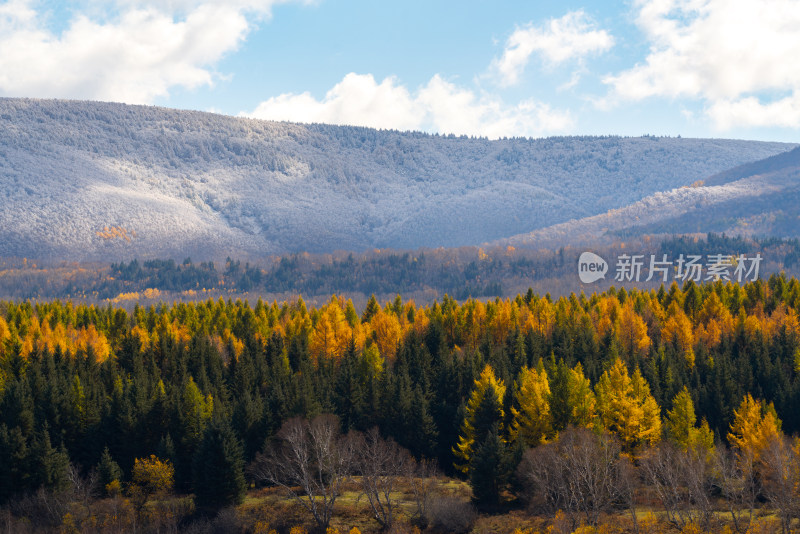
(487, 386)
(755, 424)
(150, 477)
(532, 422)
(626, 407)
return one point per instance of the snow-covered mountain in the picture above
(89, 180)
(758, 199)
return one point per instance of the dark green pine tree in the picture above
(372, 308)
(349, 394)
(48, 465)
(560, 409)
(488, 471)
(108, 470)
(13, 453)
(248, 421)
(422, 430)
(166, 449)
(219, 469)
(488, 414)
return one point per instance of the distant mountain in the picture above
(89, 180)
(758, 199)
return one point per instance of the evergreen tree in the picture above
(488, 472)
(484, 410)
(219, 469)
(108, 470)
(371, 309)
(48, 466)
(560, 408)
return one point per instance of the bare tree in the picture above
(421, 476)
(682, 481)
(581, 473)
(779, 467)
(84, 490)
(735, 476)
(380, 463)
(311, 461)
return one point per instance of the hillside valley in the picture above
(91, 181)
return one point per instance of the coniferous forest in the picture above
(623, 411)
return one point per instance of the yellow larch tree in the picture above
(387, 333)
(532, 422)
(605, 314)
(331, 332)
(486, 385)
(631, 331)
(626, 407)
(714, 322)
(755, 424)
(581, 398)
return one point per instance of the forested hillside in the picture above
(755, 200)
(478, 387)
(425, 275)
(101, 181)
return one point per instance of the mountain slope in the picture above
(757, 199)
(89, 180)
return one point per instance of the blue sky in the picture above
(696, 68)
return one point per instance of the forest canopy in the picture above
(143, 394)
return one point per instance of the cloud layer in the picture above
(438, 106)
(733, 55)
(573, 36)
(732, 61)
(128, 51)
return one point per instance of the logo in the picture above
(591, 267)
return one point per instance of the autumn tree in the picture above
(678, 332)
(631, 331)
(484, 409)
(626, 407)
(150, 477)
(755, 424)
(331, 333)
(532, 421)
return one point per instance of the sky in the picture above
(490, 68)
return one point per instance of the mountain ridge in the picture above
(93, 180)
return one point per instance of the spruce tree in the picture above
(219, 469)
(48, 465)
(108, 470)
(372, 308)
(488, 470)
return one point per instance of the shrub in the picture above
(449, 514)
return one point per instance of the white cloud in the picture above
(750, 111)
(439, 106)
(130, 51)
(731, 54)
(572, 36)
